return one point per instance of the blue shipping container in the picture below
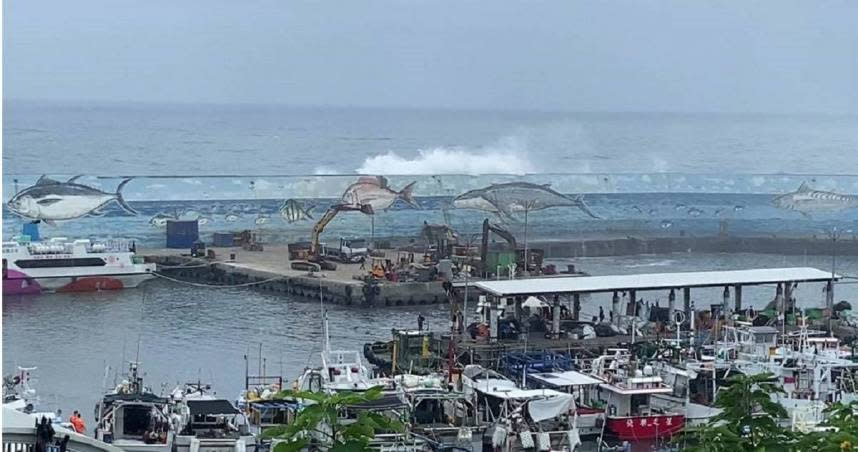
(31, 229)
(182, 234)
(223, 239)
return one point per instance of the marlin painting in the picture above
(806, 200)
(50, 200)
(505, 200)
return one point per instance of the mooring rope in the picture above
(217, 286)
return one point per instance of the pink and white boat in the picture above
(60, 265)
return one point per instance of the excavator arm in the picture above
(319, 227)
(503, 233)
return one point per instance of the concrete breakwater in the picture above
(332, 287)
(631, 245)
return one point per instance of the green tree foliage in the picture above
(319, 424)
(840, 431)
(749, 420)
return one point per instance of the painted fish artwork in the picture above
(806, 201)
(159, 220)
(50, 200)
(231, 218)
(293, 210)
(261, 219)
(509, 199)
(375, 192)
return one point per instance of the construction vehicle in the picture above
(349, 251)
(315, 257)
(484, 248)
(441, 239)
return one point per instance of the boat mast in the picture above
(327, 338)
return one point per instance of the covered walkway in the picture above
(501, 292)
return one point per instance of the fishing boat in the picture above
(694, 388)
(208, 423)
(813, 371)
(342, 370)
(626, 392)
(520, 419)
(20, 395)
(62, 265)
(134, 418)
(580, 385)
(438, 412)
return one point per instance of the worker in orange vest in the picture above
(77, 422)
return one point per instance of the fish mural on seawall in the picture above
(293, 210)
(50, 200)
(806, 200)
(374, 191)
(505, 200)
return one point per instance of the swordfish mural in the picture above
(285, 208)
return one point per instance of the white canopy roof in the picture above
(652, 281)
(567, 378)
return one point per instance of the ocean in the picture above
(151, 139)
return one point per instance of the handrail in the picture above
(26, 436)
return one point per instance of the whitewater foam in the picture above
(508, 156)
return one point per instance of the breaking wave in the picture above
(509, 157)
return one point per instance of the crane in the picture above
(314, 254)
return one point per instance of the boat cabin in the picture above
(134, 419)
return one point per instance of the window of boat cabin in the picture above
(640, 404)
(136, 420)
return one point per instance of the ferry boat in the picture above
(62, 265)
(626, 392)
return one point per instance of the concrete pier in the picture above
(270, 271)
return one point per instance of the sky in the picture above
(780, 56)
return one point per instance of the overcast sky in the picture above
(600, 55)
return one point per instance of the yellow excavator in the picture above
(315, 260)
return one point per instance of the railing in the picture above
(23, 439)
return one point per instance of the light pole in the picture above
(833, 234)
(470, 241)
(527, 206)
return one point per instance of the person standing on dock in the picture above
(420, 320)
(601, 315)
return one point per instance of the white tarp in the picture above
(533, 303)
(551, 407)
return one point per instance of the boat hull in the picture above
(18, 283)
(631, 428)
